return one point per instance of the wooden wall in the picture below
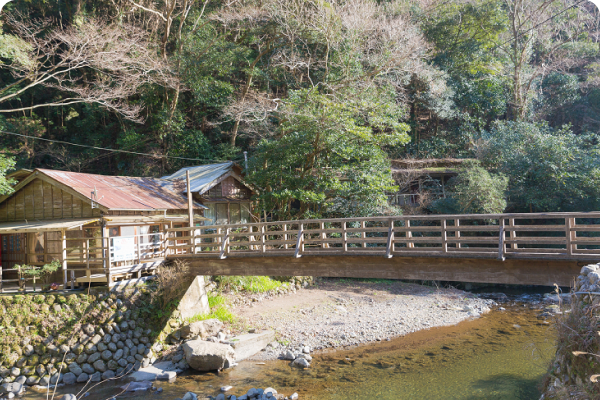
(39, 200)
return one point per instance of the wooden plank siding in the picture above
(39, 200)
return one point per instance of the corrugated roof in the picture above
(202, 177)
(122, 192)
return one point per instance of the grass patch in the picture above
(221, 313)
(215, 300)
(253, 284)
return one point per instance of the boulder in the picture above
(13, 387)
(206, 328)
(301, 362)
(208, 356)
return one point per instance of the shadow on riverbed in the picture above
(368, 286)
(505, 387)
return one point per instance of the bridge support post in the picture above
(390, 239)
(345, 236)
(225, 245)
(501, 236)
(444, 236)
(299, 242)
(570, 234)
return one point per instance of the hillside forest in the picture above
(320, 96)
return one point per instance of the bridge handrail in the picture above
(497, 236)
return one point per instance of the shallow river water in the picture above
(501, 356)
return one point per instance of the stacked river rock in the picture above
(119, 345)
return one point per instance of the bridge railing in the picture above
(571, 236)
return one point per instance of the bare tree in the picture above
(536, 43)
(95, 62)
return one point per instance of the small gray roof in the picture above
(202, 177)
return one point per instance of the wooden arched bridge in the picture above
(536, 249)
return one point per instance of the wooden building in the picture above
(221, 189)
(97, 226)
(422, 181)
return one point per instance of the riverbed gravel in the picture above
(345, 313)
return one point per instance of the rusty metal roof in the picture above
(122, 192)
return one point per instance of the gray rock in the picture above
(32, 380)
(120, 344)
(13, 387)
(301, 362)
(88, 329)
(83, 377)
(82, 358)
(28, 350)
(207, 356)
(220, 396)
(15, 371)
(69, 378)
(588, 268)
(141, 349)
(56, 378)
(90, 348)
(44, 381)
(94, 357)
(294, 396)
(289, 355)
(107, 355)
(252, 393)
(108, 375)
(594, 277)
(206, 328)
(129, 343)
(112, 365)
(112, 347)
(139, 357)
(40, 370)
(122, 362)
(69, 397)
(21, 379)
(118, 355)
(107, 338)
(307, 357)
(102, 347)
(100, 366)
(96, 377)
(131, 359)
(88, 369)
(190, 396)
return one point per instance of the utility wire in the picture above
(107, 149)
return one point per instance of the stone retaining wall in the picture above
(48, 338)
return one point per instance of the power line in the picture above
(107, 149)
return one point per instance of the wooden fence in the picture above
(564, 236)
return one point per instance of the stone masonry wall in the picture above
(48, 338)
